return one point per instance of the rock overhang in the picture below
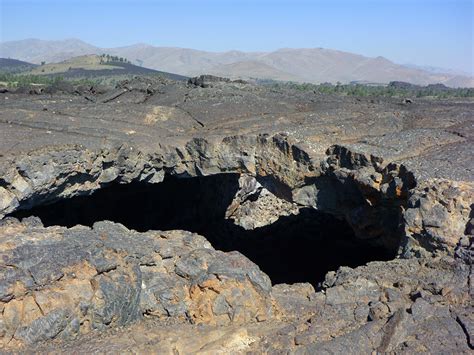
(358, 186)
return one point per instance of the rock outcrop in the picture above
(59, 283)
(399, 175)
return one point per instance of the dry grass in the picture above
(86, 62)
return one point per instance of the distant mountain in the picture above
(313, 65)
(37, 51)
(437, 70)
(251, 69)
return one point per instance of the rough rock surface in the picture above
(400, 175)
(109, 276)
(254, 206)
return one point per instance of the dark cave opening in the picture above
(296, 248)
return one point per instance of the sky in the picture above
(423, 32)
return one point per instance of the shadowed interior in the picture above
(296, 248)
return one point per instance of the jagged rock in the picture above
(205, 81)
(58, 282)
(438, 214)
(254, 206)
(399, 175)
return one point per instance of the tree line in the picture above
(107, 58)
(18, 80)
(393, 89)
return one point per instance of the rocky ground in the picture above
(398, 175)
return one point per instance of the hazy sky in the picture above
(425, 32)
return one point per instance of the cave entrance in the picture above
(295, 248)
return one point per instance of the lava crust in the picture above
(219, 216)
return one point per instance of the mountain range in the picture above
(314, 65)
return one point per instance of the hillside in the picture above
(14, 66)
(94, 66)
(257, 69)
(314, 65)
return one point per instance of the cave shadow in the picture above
(296, 248)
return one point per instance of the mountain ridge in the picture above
(314, 65)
